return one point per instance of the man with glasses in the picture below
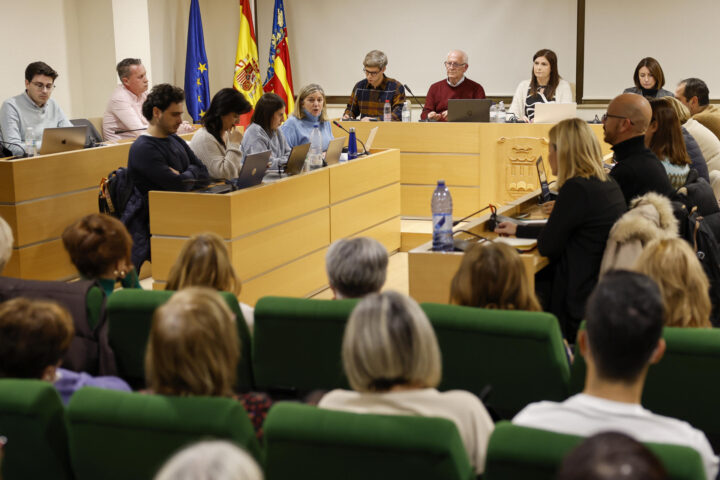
(637, 170)
(32, 109)
(368, 96)
(455, 86)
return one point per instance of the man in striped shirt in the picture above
(369, 96)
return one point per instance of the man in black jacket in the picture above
(160, 160)
(638, 170)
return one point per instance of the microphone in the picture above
(413, 95)
(490, 206)
(344, 130)
(6, 152)
(117, 132)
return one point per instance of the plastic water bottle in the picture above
(314, 158)
(30, 142)
(442, 218)
(493, 113)
(501, 112)
(387, 112)
(352, 145)
(406, 112)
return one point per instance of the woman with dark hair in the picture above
(664, 137)
(99, 247)
(264, 132)
(649, 80)
(217, 144)
(544, 86)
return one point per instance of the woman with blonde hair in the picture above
(682, 281)
(574, 238)
(493, 276)
(204, 261)
(309, 111)
(392, 360)
(194, 349)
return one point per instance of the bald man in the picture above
(456, 85)
(638, 170)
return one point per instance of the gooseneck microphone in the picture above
(344, 130)
(413, 95)
(490, 206)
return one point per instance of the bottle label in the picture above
(442, 232)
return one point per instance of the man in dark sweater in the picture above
(160, 160)
(455, 86)
(638, 170)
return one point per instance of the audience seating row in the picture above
(118, 435)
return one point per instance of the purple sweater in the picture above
(68, 382)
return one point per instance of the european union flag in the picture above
(197, 90)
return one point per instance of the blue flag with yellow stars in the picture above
(197, 90)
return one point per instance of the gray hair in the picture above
(356, 266)
(462, 54)
(389, 341)
(211, 460)
(375, 58)
(6, 243)
(123, 68)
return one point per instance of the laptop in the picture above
(62, 139)
(296, 161)
(554, 112)
(252, 171)
(332, 156)
(371, 139)
(92, 136)
(469, 110)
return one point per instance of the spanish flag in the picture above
(246, 78)
(279, 74)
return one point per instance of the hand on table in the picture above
(506, 228)
(547, 207)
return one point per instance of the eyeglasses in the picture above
(370, 73)
(454, 65)
(608, 115)
(42, 86)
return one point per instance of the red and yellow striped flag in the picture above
(279, 74)
(246, 78)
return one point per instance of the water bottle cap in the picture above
(441, 183)
(317, 125)
(387, 100)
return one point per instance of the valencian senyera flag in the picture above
(197, 90)
(279, 74)
(246, 78)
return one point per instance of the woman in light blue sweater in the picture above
(309, 111)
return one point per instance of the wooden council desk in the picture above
(41, 195)
(480, 162)
(430, 273)
(278, 233)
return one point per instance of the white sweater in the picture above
(221, 162)
(563, 94)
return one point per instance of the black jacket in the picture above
(638, 170)
(574, 240)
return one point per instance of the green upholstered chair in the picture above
(297, 343)
(130, 313)
(121, 435)
(519, 354)
(681, 384)
(519, 452)
(303, 441)
(32, 417)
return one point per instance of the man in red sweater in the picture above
(455, 86)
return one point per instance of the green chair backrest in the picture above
(121, 435)
(520, 354)
(680, 385)
(32, 417)
(303, 441)
(130, 313)
(519, 452)
(297, 343)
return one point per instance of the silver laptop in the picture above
(62, 139)
(371, 139)
(554, 112)
(296, 160)
(332, 156)
(469, 110)
(253, 170)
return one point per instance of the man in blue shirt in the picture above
(31, 109)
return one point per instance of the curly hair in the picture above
(161, 96)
